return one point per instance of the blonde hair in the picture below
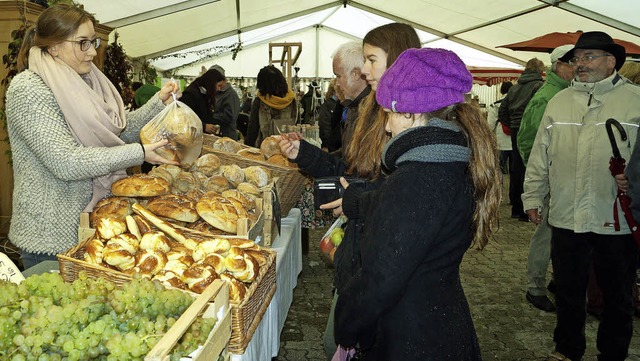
(484, 167)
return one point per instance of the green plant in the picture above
(118, 69)
(148, 73)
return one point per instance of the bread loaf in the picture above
(202, 226)
(270, 146)
(257, 175)
(184, 182)
(216, 183)
(174, 206)
(252, 153)
(249, 189)
(281, 160)
(248, 203)
(110, 207)
(208, 164)
(233, 173)
(227, 144)
(162, 173)
(140, 185)
(219, 213)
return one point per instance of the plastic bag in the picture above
(181, 126)
(346, 354)
(333, 237)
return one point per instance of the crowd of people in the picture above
(430, 168)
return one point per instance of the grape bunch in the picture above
(44, 318)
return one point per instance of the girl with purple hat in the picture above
(442, 195)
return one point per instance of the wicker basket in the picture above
(290, 184)
(245, 317)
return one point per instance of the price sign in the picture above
(8, 270)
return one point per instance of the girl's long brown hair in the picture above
(363, 154)
(484, 167)
(54, 25)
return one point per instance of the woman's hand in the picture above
(337, 204)
(150, 156)
(289, 147)
(168, 88)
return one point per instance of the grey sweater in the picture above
(52, 172)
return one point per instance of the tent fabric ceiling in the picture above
(198, 32)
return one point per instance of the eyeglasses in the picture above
(585, 58)
(85, 44)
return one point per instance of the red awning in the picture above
(492, 76)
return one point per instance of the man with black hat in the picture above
(570, 161)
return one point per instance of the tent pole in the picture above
(317, 50)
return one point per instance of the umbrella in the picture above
(492, 76)
(616, 166)
(546, 43)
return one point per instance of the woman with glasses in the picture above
(70, 138)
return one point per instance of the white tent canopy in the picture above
(182, 36)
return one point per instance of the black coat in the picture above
(317, 163)
(406, 302)
(199, 102)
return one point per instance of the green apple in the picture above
(336, 236)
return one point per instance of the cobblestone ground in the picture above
(494, 279)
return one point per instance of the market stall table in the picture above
(266, 340)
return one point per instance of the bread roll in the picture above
(215, 261)
(174, 206)
(248, 189)
(144, 226)
(140, 185)
(281, 160)
(119, 251)
(243, 243)
(180, 254)
(198, 277)
(227, 144)
(259, 256)
(184, 182)
(155, 241)
(214, 245)
(270, 146)
(260, 176)
(173, 169)
(148, 263)
(208, 164)
(110, 207)
(216, 183)
(108, 228)
(237, 289)
(169, 279)
(93, 251)
(252, 153)
(162, 173)
(233, 173)
(194, 194)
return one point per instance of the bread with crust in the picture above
(140, 185)
(174, 206)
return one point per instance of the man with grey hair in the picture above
(558, 78)
(347, 62)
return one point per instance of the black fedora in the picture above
(601, 41)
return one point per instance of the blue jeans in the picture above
(31, 259)
(614, 262)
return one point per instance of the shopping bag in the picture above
(181, 126)
(345, 354)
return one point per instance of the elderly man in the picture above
(570, 162)
(347, 61)
(558, 78)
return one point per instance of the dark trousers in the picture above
(516, 175)
(614, 261)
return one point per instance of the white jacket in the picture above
(504, 141)
(571, 153)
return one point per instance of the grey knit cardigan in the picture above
(52, 172)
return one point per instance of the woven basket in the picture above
(245, 317)
(290, 184)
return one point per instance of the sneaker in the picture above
(541, 302)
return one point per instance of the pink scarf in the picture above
(91, 105)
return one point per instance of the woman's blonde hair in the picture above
(484, 167)
(54, 25)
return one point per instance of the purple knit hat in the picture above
(423, 80)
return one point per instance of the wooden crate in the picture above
(212, 302)
(290, 183)
(245, 316)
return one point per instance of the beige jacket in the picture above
(571, 152)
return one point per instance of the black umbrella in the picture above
(616, 166)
